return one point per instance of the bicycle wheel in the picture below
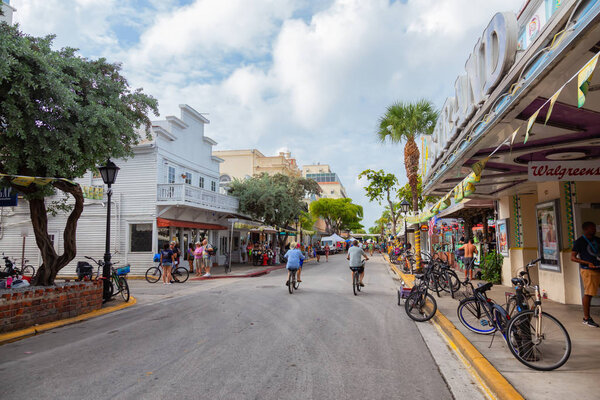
(28, 270)
(545, 351)
(420, 306)
(180, 275)
(296, 284)
(124, 288)
(153, 274)
(475, 316)
(292, 282)
(454, 281)
(355, 283)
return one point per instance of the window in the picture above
(332, 192)
(188, 178)
(171, 175)
(213, 186)
(141, 237)
(224, 245)
(201, 182)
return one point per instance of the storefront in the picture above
(524, 128)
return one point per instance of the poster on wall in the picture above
(502, 236)
(548, 235)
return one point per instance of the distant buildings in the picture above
(7, 12)
(243, 164)
(328, 180)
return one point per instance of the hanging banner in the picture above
(8, 198)
(583, 80)
(530, 123)
(542, 171)
(93, 192)
(552, 101)
(26, 181)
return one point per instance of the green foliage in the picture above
(405, 192)
(274, 199)
(62, 114)
(383, 186)
(405, 121)
(491, 267)
(307, 221)
(338, 214)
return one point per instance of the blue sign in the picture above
(7, 198)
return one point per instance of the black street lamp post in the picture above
(297, 219)
(109, 175)
(404, 208)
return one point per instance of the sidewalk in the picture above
(577, 379)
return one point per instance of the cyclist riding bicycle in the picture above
(355, 254)
(293, 256)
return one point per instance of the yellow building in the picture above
(243, 164)
(327, 180)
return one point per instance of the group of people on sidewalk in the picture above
(198, 257)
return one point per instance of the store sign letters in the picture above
(564, 171)
(492, 57)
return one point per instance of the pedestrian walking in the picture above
(198, 258)
(206, 256)
(327, 253)
(586, 252)
(176, 253)
(167, 258)
(190, 254)
(470, 251)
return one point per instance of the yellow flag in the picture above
(514, 135)
(469, 189)
(583, 80)
(530, 124)
(552, 101)
(479, 166)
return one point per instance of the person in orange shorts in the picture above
(586, 252)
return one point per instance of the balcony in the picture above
(184, 194)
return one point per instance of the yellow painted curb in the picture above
(34, 330)
(494, 380)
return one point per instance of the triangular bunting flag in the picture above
(552, 101)
(530, 124)
(513, 136)
(583, 80)
(479, 165)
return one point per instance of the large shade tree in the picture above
(405, 122)
(339, 214)
(60, 116)
(383, 187)
(276, 200)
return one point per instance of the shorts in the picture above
(292, 269)
(591, 281)
(359, 269)
(468, 263)
(167, 264)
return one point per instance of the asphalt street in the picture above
(236, 339)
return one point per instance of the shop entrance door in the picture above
(583, 213)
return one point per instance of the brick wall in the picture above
(25, 307)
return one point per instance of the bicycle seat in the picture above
(419, 276)
(518, 282)
(482, 288)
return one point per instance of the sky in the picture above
(309, 76)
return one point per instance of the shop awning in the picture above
(163, 223)
(455, 210)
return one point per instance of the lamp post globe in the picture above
(109, 175)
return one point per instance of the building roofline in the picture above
(193, 113)
(209, 140)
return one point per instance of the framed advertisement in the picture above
(548, 233)
(502, 239)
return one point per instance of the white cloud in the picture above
(309, 76)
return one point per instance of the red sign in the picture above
(564, 171)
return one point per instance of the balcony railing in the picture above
(195, 196)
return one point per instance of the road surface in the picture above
(236, 339)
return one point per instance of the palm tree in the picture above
(406, 121)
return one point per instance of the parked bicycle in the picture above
(179, 274)
(11, 267)
(117, 279)
(534, 337)
(420, 305)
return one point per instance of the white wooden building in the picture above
(169, 189)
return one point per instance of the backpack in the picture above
(209, 249)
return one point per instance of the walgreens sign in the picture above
(564, 171)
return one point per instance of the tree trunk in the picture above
(411, 163)
(52, 263)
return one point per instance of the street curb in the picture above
(250, 275)
(34, 330)
(491, 377)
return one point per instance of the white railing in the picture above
(182, 192)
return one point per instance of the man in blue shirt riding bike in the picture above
(293, 257)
